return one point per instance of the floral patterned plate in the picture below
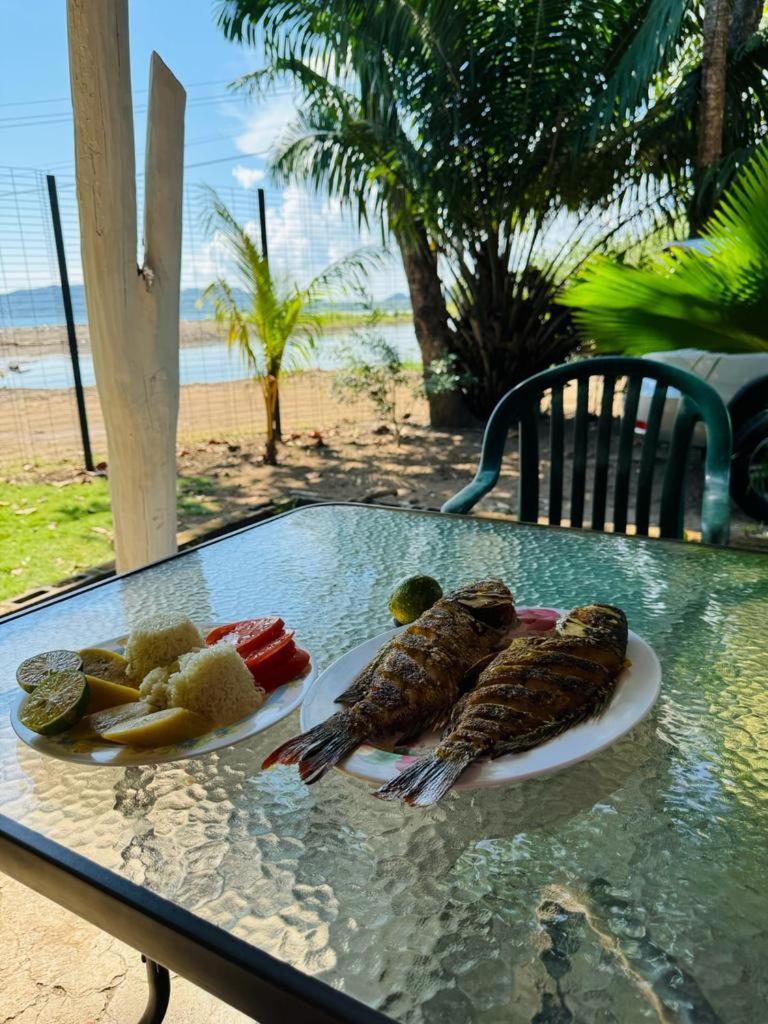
(636, 693)
(278, 704)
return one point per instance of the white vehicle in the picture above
(742, 383)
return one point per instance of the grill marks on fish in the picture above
(533, 691)
(412, 683)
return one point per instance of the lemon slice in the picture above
(160, 729)
(108, 695)
(103, 664)
(56, 703)
(31, 672)
(102, 721)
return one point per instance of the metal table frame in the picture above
(230, 969)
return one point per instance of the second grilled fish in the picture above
(414, 681)
(531, 692)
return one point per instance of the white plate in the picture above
(278, 704)
(636, 693)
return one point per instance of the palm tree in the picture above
(468, 126)
(273, 324)
(713, 295)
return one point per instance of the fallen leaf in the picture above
(17, 572)
(53, 526)
(25, 511)
(100, 529)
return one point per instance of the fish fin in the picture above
(548, 730)
(361, 683)
(438, 720)
(424, 782)
(318, 749)
(357, 690)
(454, 715)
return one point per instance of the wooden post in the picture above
(133, 311)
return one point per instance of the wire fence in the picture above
(39, 420)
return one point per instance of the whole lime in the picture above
(413, 596)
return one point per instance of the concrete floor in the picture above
(57, 969)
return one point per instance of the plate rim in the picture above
(352, 766)
(136, 756)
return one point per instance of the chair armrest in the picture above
(469, 496)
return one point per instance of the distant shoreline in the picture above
(44, 339)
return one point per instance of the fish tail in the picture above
(427, 780)
(318, 749)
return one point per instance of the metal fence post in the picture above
(263, 225)
(70, 321)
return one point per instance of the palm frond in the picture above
(713, 297)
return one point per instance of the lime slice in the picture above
(413, 596)
(30, 672)
(57, 702)
(103, 664)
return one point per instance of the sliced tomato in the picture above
(271, 675)
(277, 650)
(249, 634)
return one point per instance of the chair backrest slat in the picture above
(579, 453)
(521, 406)
(672, 513)
(624, 457)
(556, 456)
(528, 504)
(602, 453)
(648, 460)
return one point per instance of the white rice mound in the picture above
(158, 641)
(154, 687)
(215, 683)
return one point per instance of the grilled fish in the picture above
(414, 681)
(531, 692)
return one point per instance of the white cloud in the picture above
(247, 176)
(264, 125)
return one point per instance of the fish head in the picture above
(489, 601)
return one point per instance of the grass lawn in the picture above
(49, 531)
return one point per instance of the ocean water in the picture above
(208, 363)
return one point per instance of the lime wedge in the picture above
(56, 703)
(30, 672)
(104, 664)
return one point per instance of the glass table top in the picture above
(627, 888)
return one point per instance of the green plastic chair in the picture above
(521, 406)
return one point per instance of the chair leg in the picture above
(159, 983)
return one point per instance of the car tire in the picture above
(748, 437)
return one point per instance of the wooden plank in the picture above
(556, 456)
(580, 425)
(132, 311)
(604, 426)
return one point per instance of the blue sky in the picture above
(221, 127)
(34, 72)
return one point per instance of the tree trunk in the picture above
(745, 20)
(430, 321)
(711, 114)
(133, 312)
(270, 390)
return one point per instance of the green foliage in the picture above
(713, 297)
(51, 531)
(474, 125)
(374, 370)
